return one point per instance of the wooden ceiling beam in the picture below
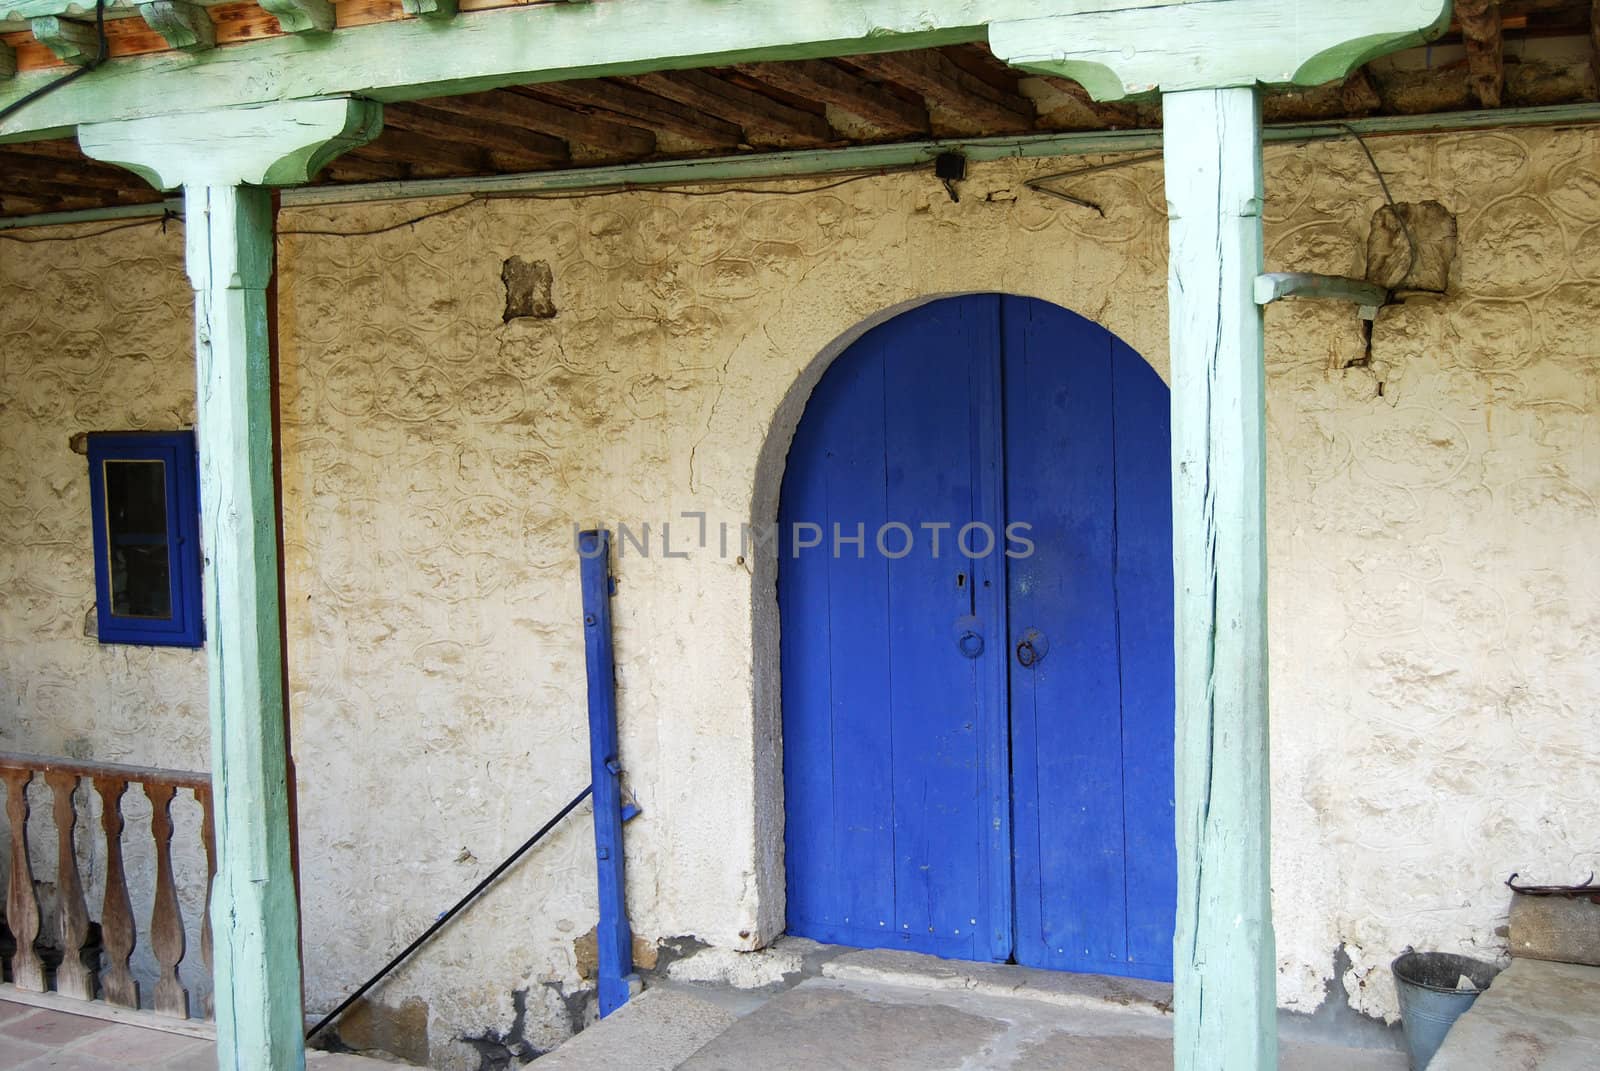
(348, 168)
(1486, 65)
(600, 98)
(940, 80)
(846, 90)
(763, 120)
(87, 174)
(429, 119)
(513, 109)
(1594, 39)
(1113, 115)
(1358, 95)
(417, 150)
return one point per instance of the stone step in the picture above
(1535, 1015)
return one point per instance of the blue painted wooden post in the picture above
(614, 937)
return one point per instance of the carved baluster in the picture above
(208, 837)
(116, 914)
(166, 918)
(73, 979)
(22, 903)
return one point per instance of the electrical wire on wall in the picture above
(102, 50)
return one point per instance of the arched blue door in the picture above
(975, 588)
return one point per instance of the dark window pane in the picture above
(136, 537)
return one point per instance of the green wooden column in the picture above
(224, 161)
(1224, 962)
(255, 919)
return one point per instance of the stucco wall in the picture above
(1430, 543)
(95, 335)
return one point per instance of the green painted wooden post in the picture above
(224, 161)
(1224, 962)
(255, 919)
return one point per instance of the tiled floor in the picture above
(36, 1039)
(33, 1039)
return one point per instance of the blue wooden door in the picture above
(895, 780)
(978, 745)
(1090, 617)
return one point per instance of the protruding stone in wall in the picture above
(586, 950)
(371, 1027)
(1420, 261)
(528, 284)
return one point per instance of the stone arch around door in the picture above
(998, 888)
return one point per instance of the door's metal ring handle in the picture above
(970, 644)
(1032, 648)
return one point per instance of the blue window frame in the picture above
(144, 493)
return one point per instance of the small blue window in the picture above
(143, 489)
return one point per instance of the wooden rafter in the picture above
(513, 109)
(845, 90)
(423, 153)
(84, 175)
(763, 120)
(1358, 96)
(941, 80)
(438, 119)
(607, 99)
(1481, 31)
(1594, 40)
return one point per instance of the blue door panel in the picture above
(1144, 593)
(1067, 780)
(940, 795)
(912, 857)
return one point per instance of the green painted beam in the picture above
(8, 62)
(301, 16)
(443, 10)
(1224, 964)
(416, 58)
(72, 41)
(1121, 51)
(254, 917)
(263, 145)
(183, 26)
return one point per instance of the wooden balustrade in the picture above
(112, 976)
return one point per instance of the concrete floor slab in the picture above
(830, 1023)
(1001, 979)
(1536, 1016)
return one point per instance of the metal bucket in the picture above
(1430, 1003)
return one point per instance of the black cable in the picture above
(101, 52)
(611, 191)
(439, 922)
(1383, 184)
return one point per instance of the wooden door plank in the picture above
(934, 360)
(862, 700)
(1142, 447)
(807, 684)
(1060, 478)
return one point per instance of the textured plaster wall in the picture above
(95, 335)
(1430, 544)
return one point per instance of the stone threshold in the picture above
(1083, 991)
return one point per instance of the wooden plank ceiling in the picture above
(961, 91)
